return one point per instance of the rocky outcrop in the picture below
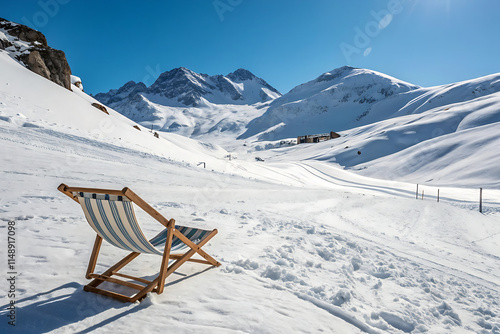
(100, 107)
(30, 48)
(50, 64)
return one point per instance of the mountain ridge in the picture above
(188, 88)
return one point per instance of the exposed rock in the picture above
(100, 107)
(35, 63)
(50, 64)
(4, 44)
(137, 127)
(37, 56)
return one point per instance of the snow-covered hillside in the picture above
(304, 246)
(334, 101)
(194, 104)
(347, 98)
(444, 135)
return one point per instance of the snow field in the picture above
(305, 246)
(294, 259)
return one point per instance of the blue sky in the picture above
(286, 42)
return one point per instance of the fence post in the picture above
(481, 200)
(422, 195)
(416, 193)
(438, 195)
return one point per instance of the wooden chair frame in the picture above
(156, 285)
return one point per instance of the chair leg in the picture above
(98, 279)
(166, 256)
(141, 294)
(210, 259)
(180, 261)
(93, 257)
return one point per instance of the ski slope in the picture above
(442, 136)
(305, 246)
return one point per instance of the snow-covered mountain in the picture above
(347, 98)
(334, 101)
(193, 104)
(183, 87)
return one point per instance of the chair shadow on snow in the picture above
(70, 306)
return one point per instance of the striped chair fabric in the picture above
(196, 235)
(113, 218)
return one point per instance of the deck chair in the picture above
(111, 215)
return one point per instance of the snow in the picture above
(305, 245)
(441, 136)
(454, 146)
(77, 82)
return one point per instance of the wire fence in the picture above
(482, 199)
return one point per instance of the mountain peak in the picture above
(129, 84)
(336, 73)
(177, 72)
(241, 75)
(182, 69)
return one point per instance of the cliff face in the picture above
(29, 47)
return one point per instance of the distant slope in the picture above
(347, 98)
(453, 145)
(194, 104)
(334, 101)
